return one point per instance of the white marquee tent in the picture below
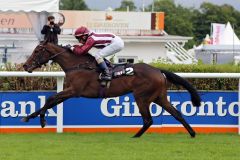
(225, 51)
(36, 10)
(229, 37)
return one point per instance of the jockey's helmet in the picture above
(81, 31)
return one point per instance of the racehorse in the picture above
(148, 84)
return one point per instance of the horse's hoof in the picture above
(136, 136)
(25, 119)
(193, 135)
(43, 123)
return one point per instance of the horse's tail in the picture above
(175, 79)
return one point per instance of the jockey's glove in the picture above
(69, 47)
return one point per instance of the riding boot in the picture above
(105, 72)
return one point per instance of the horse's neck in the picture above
(67, 60)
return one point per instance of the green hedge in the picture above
(28, 83)
(206, 83)
(39, 83)
(199, 68)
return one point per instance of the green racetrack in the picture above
(119, 146)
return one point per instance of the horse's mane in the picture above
(87, 55)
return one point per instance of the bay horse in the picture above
(148, 84)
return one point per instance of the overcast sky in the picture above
(104, 4)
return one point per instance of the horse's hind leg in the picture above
(175, 113)
(146, 116)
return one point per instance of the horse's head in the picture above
(40, 56)
(48, 51)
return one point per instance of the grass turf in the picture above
(119, 146)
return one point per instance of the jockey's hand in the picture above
(69, 47)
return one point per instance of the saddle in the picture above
(117, 70)
(120, 69)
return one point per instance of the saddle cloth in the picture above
(120, 69)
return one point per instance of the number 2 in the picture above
(129, 71)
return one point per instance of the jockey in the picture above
(108, 44)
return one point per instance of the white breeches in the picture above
(116, 46)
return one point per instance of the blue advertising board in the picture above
(217, 108)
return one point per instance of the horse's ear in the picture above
(45, 42)
(42, 42)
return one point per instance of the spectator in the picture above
(51, 31)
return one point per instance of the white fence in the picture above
(60, 79)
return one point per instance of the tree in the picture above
(127, 5)
(73, 5)
(210, 13)
(178, 20)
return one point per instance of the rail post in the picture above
(60, 81)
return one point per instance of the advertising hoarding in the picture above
(218, 113)
(108, 20)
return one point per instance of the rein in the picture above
(55, 54)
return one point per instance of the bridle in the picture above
(38, 59)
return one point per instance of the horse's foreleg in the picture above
(175, 113)
(146, 116)
(51, 102)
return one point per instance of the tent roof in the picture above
(29, 5)
(229, 37)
